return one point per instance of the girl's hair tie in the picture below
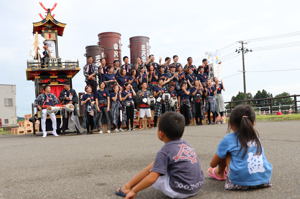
(245, 116)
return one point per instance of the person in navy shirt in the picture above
(190, 77)
(109, 78)
(88, 100)
(132, 79)
(211, 102)
(103, 107)
(184, 101)
(116, 106)
(127, 66)
(162, 74)
(190, 65)
(143, 76)
(127, 99)
(152, 77)
(202, 76)
(197, 102)
(240, 158)
(122, 78)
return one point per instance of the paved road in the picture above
(93, 166)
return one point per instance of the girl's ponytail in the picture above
(243, 118)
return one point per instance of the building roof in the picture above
(49, 23)
(7, 85)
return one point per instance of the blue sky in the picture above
(186, 28)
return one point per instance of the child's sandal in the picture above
(212, 173)
(120, 193)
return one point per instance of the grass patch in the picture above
(4, 132)
(277, 117)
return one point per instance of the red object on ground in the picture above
(279, 113)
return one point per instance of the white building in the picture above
(8, 110)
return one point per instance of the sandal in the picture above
(120, 193)
(212, 173)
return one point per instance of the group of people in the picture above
(113, 93)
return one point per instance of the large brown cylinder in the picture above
(139, 47)
(110, 42)
(95, 51)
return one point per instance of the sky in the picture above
(186, 28)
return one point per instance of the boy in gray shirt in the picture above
(176, 170)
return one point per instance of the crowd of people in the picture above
(114, 93)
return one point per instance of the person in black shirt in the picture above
(206, 66)
(127, 66)
(151, 62)
(127, 99)
(197, 102)
(211, 92)
(90, 72)
(46, 56)
(185, 103)
(103, 107)
(88, 100)
(116, 106)
(69, 96)
(190, 65)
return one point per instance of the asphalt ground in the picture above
(94, 166)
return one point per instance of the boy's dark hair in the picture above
(115, 61)
(125, 57)
(89, 57)
(87, 86)
(150, 56)
(188, 58)
(167, 58)
(204, 60)
(242, 117)
(175, 56)
(46, 86)
(172, 125)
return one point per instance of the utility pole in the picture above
(243, 50)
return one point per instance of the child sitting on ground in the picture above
(240, 158)
(176, 170)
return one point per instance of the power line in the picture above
(225, 47)
(274, 70)
(291, 34)
(277, 46)
(232, 75)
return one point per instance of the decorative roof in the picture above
(49, 23)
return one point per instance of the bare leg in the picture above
(223, 166)
(148, 122)
(137, 178)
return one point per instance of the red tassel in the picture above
(54, 6)
(41, 16)
(42, 5)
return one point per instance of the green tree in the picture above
(261, 95)
(283, 101)
(236, 100)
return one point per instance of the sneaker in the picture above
(101, 132)
(132, 129)
(117, 130)
(108, 131)
(55, 134)
(44, 134)
(121, 130)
